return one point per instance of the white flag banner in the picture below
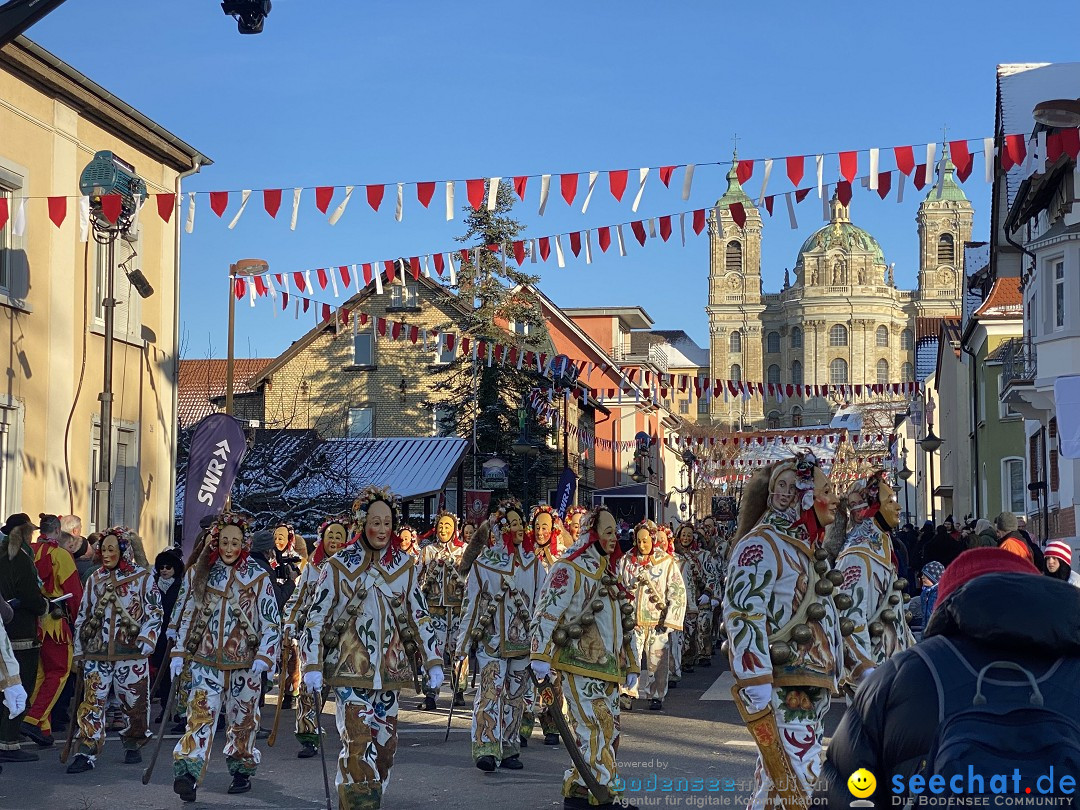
(791, 211)
(245, 195)
(295, 208)
(592, 185)
(875, 158)
(18, 224)
(356, 278)
(682, 228)
(453, 269)
(558, 252)
(271, 288)
(378, 277)
(588, 247)
(643, 174)
(765, 180)
(189, 224)
(399, 208)
(899, 186)
(334, 217)
(931, 159)
(688, 181)
(545, 189)
(820, 162)
(493, 192)
(427, 270)
(532, 251)
(652, 228)
(619, 239)
(333, 271)
(307, 281)
(84, 218)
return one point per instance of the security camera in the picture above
(249, 14)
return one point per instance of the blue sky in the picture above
(340, 92)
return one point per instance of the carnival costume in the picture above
(288, 566)
(688, 556)
(444, 589)
(365, 627)
(539, 703)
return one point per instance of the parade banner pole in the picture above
(161, 732)
(286, 661)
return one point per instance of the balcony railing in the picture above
(654, 356)
(1018, 363)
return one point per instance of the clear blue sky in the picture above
(338, 91)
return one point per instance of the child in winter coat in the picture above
(920, 608)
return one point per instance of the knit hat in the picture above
(262, 541)
(933, 571)
(983, 525)
(1006, 522)
(976, 562)
(1059, 549)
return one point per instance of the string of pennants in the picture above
(782, 440)
(1016, 150)
(728, 477)
(757, 463)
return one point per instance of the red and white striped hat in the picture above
(1059, 549)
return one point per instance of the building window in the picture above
(1012, 485)
(907, 340)
(127, 314)
(684, 406)
(774, 374)
(443, 422)
(773, 421)
(1005, 410)
(124, 498)
(733, 257)
(838, 371)
(362, 422)
(796, 338)
(444, 351)
(882, 372)
(1059, 295)
(772, 343)
(736, 373)
(364, 348)
(1052, 452)
(882, 337)
(946, 251)
(796, 416)
(702, 404)
(523, 328)
(907, 373)
(838, 335)
(735, 342)
(6, 248)
(796, 373)
(405, 296)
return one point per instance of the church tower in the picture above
(944, 221)
(735, 304)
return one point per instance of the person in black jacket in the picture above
(169, 571)
(992, 605)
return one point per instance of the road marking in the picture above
(742, 743)
(721, 688)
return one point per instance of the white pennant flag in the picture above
(18, 224)
(520, 357)
(271, 288)
(449, 200)
(592, 185)
(334, 217)
(682, 227)
(931, 158)
(251, 293)
(875, 158)
(189, 225)
(532, 251)
(899, 186)
(619, 238)
(245, 195)
(988, 158)
(765, 180)
(307, 281)
(558, 252)
(588, 247)
(295, 208)
(791, 211)
(493, 192)
(652, 228)
(84, 218)
(135, 218)
(820, 162)
(545, 188)
(333, 271)
(688, 180)
(378, 277)
(356, 278)
(427, 270)
(642, 174)
(399, 209)
(453, 269)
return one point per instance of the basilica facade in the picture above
(840, 320)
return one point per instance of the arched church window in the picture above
(907, 373)
(882, 336)
(882, 371)
(774, 374)
(796, 373)
(772, 342)
(946, 250)
(735, 342)
(838, 371)
(773, 421)
(838, 335)
(796, 416)
(796, 338)
(907, 340)
(736, 373)
(733, 257)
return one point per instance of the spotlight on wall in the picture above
(139, 282)
(249, 14)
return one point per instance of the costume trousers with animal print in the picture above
(498, 707)
(130, 680)
(800, 719)
(592, 712)
(367, 724)
(211, 688)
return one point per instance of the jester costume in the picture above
(546, 535)
(444, 588)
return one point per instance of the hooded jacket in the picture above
(891, 725)
(19, 580)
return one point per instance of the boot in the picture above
(307, 751)
(672, 684)
(459, 698)
(429, 704)
(551, 739)
(512, 763)
(288, 702)
(656, 704)
(132, 756)
(240, 783)
(80, 764)
(184, 787)
(523, 740)
(486, 763)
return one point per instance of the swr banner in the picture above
(218, 446)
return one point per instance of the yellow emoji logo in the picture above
(862, 783)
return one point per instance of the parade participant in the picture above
(467, 532)
(784, 635)
(333, 536)
(368, 621)
(286, 562)
(545, 532)
(10, 679)
(653, 577)
(407, 538)
(229, 634)
(444, 589)
(582, 634)
(61, 586)
(572, 523)
(684, 642)
(169, 578)
(871, 585)
(502, 590)
(117, 627)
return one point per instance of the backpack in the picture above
(995, 726)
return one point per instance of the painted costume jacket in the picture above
(237, 620)
(771, 585)
(870, 581)
(119, 612)
(693, 571)
(658, 588)
(502, 586)
(603, 650)
(294, 616)
(440, 581)
(365, 613)
(56, 569)
(9, 665)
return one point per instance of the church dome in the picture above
(841, 234)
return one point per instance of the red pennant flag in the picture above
(699, 221)
(638, 227)
(568, 182)
(57, 210)
(380, 326)
(1054, 149)
(414, 333)
(165, 205)
(272, 201)
(395, 330)
(345, 315)
(3, 212)
(323, 195)
(603, 236)
(843, 192)
(374, 196)
(390, 275)
(368, 275)
(905, 158)
(519, 186)
(284, 301)
(298, 279)
(321, 273)
(1014, 152)
(519, 251)
(769, 203)
(617, 183)
(800, 195)
(450, 342)
(307, 303)
(239, 288)
(464, 255)
(545, 247)
(111, 205)
(424, 193)
(665, 175)
(219, 201)
(475, 191)
(1070, 142)
(920, 176)
(738, 213)
(665, 227)
(849, 165)
(464, 345)
(414, 265)
(575, 242)
(884, 183)
(961, 158)
(325, 309)
(795, 168)
(363, 319)
(346, 278)
(438, 259)
(744, 170)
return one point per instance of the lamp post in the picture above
(688, 460)
(244, 267)
(904, 475)
(524, 448)
(930, 444)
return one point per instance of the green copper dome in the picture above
(735, 192)
(840, 234)
(950, 191)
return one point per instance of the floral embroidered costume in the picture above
(784, 634)
(365, 627)
(582, 634)
(503, 583)
(230, 635)
(684, 641)
(546, 535)
(116, 630)
(444, 590)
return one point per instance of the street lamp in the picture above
(905, 475)
(930, 444)
(688, 460)
(522, 447)
(244, 267)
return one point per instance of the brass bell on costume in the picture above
(843, 601)
(607, 579)
(559, 637)
(780, 653)
(574, 631)
(821, 566)
(876, 629)
(802, 634)
(835, 577)
(626, 609)
(352, 610)
(894, 599)
(597, 605)
(821, 554)
(330, 640)
(340, 625)
(477, 634)
(900, 584)
(629, 623)
(816, 612)
(823, 587)
(888, 615)
(847, 627)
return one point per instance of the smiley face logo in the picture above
(862, 783)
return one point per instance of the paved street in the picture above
(696, 736)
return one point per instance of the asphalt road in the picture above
(697, 736)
